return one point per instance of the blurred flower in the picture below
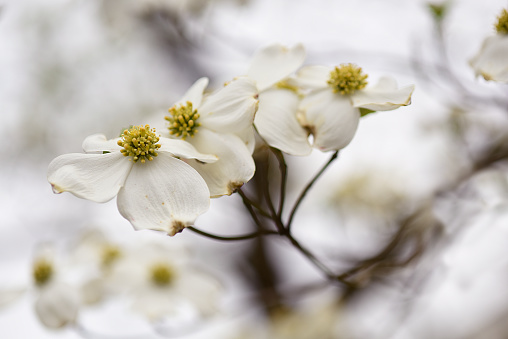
(56, 302)
(491, 62)
(155, 189)
(276, 119)
(219, 124)
(337, 99)
(161, 281)
(96, 255)
(318, 321)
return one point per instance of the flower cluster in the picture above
(147, 275)
(164, 179)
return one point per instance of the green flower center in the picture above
(139, 142)
(42, 271)
(110, 254)
(161, 274)
(182, 121)
(347, 78)
(502, 23)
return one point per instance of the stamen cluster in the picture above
(110, 254)
(42, 272)
(347, 79)
(502, 23)
(139, 142)
(182, 121)
(161, 274)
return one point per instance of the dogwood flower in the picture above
(160, 281)
(218, 124)
(338, 97)
(156, 190)
(276, 118)
(491, 62)
(56, 302)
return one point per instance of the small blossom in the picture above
(338, 97)
(276, 119)
(218, 124)
(160, 280)
(491, 62)
(156, 190)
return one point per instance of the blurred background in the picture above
(414, 211)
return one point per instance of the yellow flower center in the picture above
(162, 274)
(502, 23)
(140, 143)
(42, 271)
(347, 78)
(110, 254)
(182, 121)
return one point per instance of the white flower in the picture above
(491, 62)
(57, 302)
(276, 118)
(161, 281)
(331, 110)
(219, 124)
(163, 193)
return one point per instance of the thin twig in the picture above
(283, 179)
(246, 200)
(234, 238)
(307, 188)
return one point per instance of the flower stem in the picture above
(307, 188)
(234, 238)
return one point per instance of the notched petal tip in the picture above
(234, 186)
(176, 227)
(56, 189)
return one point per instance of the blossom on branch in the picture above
(156, 190)
(338, 97)
(218, 124)
(276, 119)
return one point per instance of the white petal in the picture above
(235, 165)
(99, 143)
(491, 62)
(276, 122)
(274, 63)
(200, 288)
(183, 149)
(313, 77)
(165, 194)
(95, 177)
(331, 117)
(231, 109)
(248, 136)
(384, 96)
(195, 93)
(57, 305)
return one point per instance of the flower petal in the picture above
(195, 93)
(276, 122)
(8, 296)
(95, 177)
(165, 194)
(183, 149)
(231, 109)
(57, 305)
(99, 143)
(202, 289)
(274, 63)
(491, 61)
(384, 96)
(235, 165)
(313, 77)
(331, 118)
